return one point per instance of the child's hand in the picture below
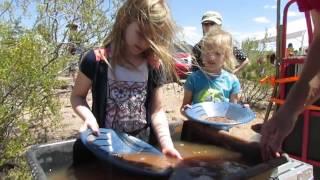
(246, 105)
(171, 152)
(91, 124)
(184, 108)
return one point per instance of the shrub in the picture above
(27, 97)
(253, 91)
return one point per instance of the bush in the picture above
(31, 60)
(253, 92)
(27, 97)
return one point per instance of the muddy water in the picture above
(220, 120)
(150, 161)
(207, 160)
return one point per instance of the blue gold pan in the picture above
(110, 146)
(221, 115)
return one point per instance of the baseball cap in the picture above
(212, 16)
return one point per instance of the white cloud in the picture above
(190, 34)
(261, 19)
(294, 14)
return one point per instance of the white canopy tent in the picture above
(296, 34)
(298, 39)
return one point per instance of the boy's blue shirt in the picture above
(212, 88)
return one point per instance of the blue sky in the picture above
(242, 18)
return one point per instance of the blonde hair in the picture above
(154, 20)
(222, 41)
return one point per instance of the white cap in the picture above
(212, 16)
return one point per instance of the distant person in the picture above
(126, 75)
(213, 19)
(74, 48)
(300, 51)
(305, 91)
(272, 58)
(212, 83)
(290, 50)
(306, 51)
(261, 70)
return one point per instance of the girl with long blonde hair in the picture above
(127, 72)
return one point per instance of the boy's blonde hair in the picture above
(220, 40)
(154, 19)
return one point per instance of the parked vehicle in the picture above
(183, 64)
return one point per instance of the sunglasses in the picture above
(208, 23)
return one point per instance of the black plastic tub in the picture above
(44, 159)
(48, 160)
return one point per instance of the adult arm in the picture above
(282, 123)
(241, 57)
(241, 66)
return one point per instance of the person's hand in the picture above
(274, 131)
(246, 105)
(314, 92)
(91, 124)
(182, 110)
(171, 152)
